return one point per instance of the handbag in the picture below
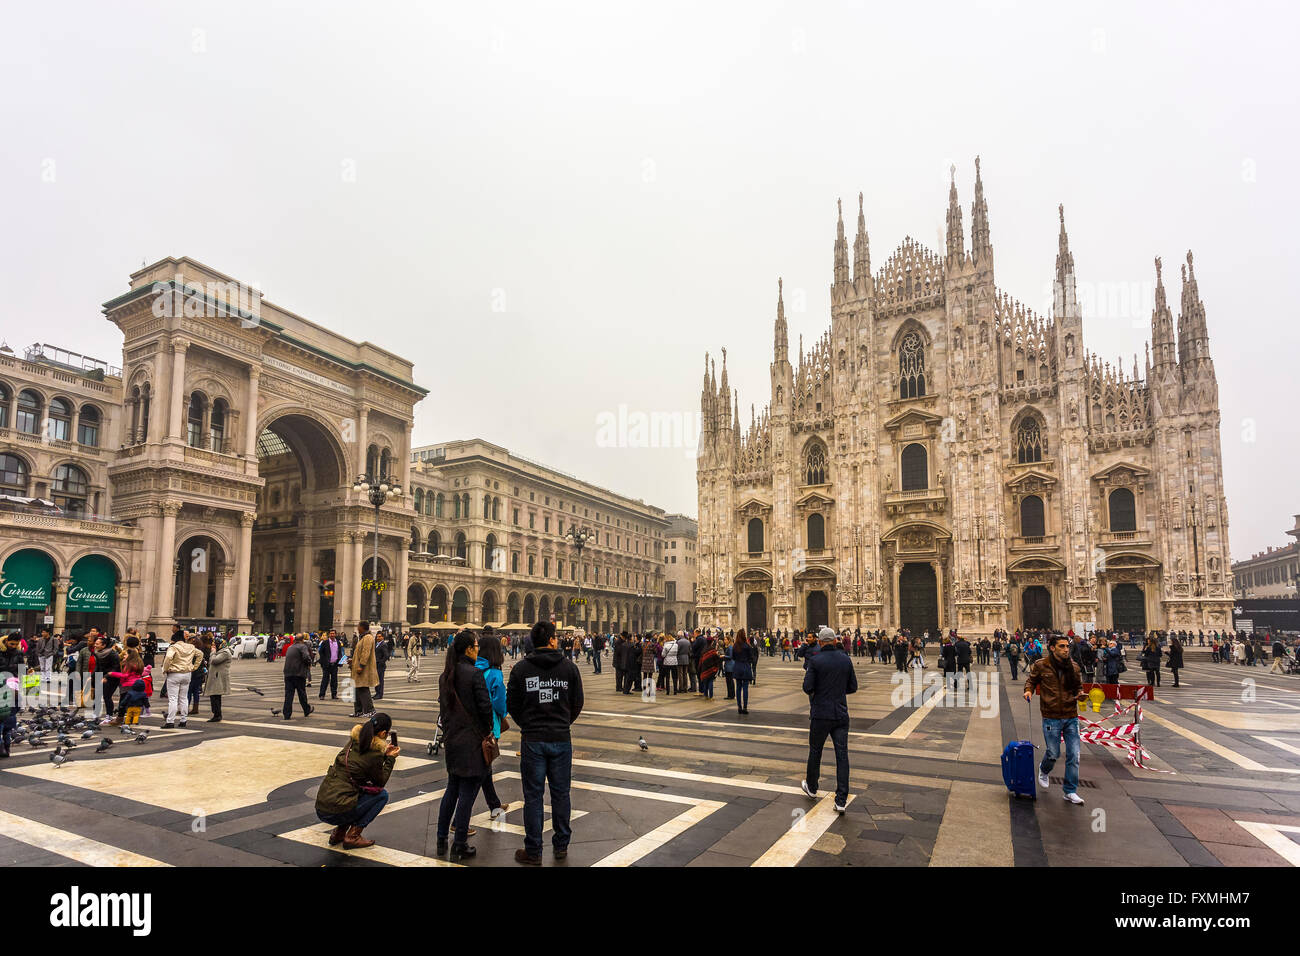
(491, 748)
(366, 788)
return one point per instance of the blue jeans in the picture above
(742, 694)
(595, 660)
(367, 808)
(706, 687)
(1053, 729)
(542, 763)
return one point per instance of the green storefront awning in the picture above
(93, 584)
(28, 581)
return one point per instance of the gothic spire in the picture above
(956, 241)
(1162, 323)
(861, 247)
(841, 249)
(1064, 258)
(781, 348)
(1193, 336)
(981, 248)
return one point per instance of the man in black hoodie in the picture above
(544, 697)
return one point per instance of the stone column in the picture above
(250, 413)
(119, 609)
(344, 574)
(360, 606)
(403, 579)
(304, 617)
(60, 603)
(362, 416)
(898, 611)
(228, 606)
(243, 571)
(176, 404)
(164, 608)
(938, 581)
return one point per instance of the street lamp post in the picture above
(578, 537)
(379, 490)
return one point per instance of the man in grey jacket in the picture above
(297, 665)
(47, 646)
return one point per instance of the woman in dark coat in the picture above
(1175, 659)
(466, 709)
(1150, 661)
(743, 657)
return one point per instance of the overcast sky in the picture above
(554, 210)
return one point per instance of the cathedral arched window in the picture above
(911, 366)
(1031, 517)
(1123, 510)
(1029, 441)
(915, 468)
(755, 535)
(815, 464)
(816, 532)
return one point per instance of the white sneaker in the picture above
(1074, 798)
(1043, 781)
(808, 792)
(840, 807)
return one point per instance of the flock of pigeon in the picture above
(64, 727)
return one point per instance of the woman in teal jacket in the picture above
(490, 659)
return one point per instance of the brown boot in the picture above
(353, 840)
(337, 836)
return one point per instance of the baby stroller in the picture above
(1291, 666)
(436, 744)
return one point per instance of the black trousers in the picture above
(329, 677)
(838, 731)
(731, 686)
(292, 685)
(379, 691)
(458, 800)
(215, 701)
(363, 703)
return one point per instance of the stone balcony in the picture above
(755, 559)
(916, 501)
(1034, 542)
(31, 524)
(1125, 538)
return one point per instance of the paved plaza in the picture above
(714, 788)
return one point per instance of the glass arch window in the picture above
(28, 418)
(217, 426)
(88, 426)
(755, 534)
(60, 419)
(815, 464)
(1029, 442)
(915, 468)
(911, 366)
(13, 475)
(1123, 510)
(194, 421)
(1032, 524)
(70, 488)
(816, 532)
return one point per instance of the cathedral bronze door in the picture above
(756, 611)
(918, 599)
(1036, 607)
(818, 609)
(1128, 608)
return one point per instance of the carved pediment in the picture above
(1031, 482)
(814, 501)
(754, 508)
(1035, 564)
(1122, 473)
(914, 417)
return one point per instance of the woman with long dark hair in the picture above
(743, 657)
(490, 658)
(353, 793)
(466, 710)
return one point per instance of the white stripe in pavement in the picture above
(70, 845)
(1290, 748)
(799, 839)
(686, 775)
(1272, 836)
(644, 845)
(1245, 763)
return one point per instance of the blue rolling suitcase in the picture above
(1018, 771)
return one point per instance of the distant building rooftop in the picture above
(46, 354)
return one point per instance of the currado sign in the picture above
(28, 577)
(92, 585)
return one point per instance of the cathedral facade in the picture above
(944, 457)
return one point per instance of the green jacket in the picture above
(351, 770)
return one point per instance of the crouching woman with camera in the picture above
(353, 793)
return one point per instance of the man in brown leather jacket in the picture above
(1059, 683)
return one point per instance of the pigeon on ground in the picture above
(87, 734)
(35, 742)
(59, 757)
(259, 693)
(103, 745)
(142, 737)
(640, 742)
(275, 713)
(128, 732)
